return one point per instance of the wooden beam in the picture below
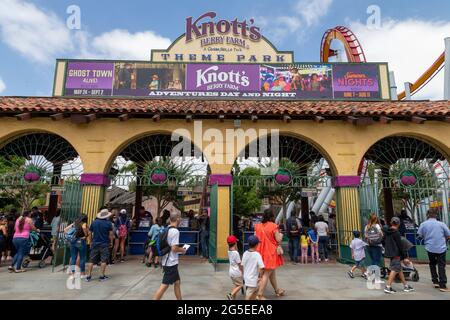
(418, 120)
(351, 119)
(57, 117)
(189, 118)
(446, 119)
(156, 118)
(23, 116)
(124, 117)
(91, 117)
(361, 121)
(82, 118)
(254, 118)
(319, 119)
(286, 118)
(385, 120)
(221, 117)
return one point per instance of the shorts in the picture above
(171, 275)
(237, 282)
(251, 292)
(154, 252)
(395, 265)
(360, 263)
(99, 253)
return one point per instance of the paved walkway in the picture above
(132, 280)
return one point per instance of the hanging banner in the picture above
(356, 81)
(89, 79)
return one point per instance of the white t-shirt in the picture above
(357, 246)
(173, 238)
(322, 228)
(235, 260)
(252, 262)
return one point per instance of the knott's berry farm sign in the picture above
(208, 39)
(221, 59)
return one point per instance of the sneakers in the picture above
(326, 260)
(364, 275)
(88, 278)
(350, 274)
(436, 285)
(444, 289)
(103, 278)
(229, 296)
(408, 288)
(389, 290)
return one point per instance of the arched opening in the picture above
(155, 173)
(404, 176)
(287, 174)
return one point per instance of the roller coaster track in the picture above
(351, 44)
(426, 77)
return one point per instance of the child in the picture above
(358, 254)
(235, 267)
(314, 243)
(253, 268)
(304, 243)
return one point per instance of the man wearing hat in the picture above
(101, 239)
(397, 253)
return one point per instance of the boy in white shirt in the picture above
(253, 268)
(235, 267)
(358, 254)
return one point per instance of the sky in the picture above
(409, 35)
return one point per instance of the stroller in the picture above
(409, 271)
(40, 250)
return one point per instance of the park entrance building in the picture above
(183, 129)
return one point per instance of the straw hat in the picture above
(104, 214)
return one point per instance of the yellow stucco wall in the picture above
(343, 144)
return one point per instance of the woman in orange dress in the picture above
(269, 236)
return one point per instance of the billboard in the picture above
(298, 81)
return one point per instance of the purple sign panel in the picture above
(89, 79)
(222, 77)
(356, 81)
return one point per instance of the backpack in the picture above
(162, 245)
(293, 224)
(71, 233)
(374, 236)
(123, 230)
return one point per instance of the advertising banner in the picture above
(299, 81)
(356, 81)
(89, 79)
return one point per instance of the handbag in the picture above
(280, 250)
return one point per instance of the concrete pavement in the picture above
(132, 280)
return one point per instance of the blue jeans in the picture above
(204, 235)
(323, 247)
(22, 246)
(375, 254)
(78, 247)
(294, 244)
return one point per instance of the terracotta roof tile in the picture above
(295, 108)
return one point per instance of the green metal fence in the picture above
(213, 226)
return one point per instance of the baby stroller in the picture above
(409, 271)
(40, 250)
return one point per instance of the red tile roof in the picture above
(211, 107)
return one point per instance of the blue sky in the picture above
(33, 33)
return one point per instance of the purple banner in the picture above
(89, 78)
(356, 81)
(222, 77)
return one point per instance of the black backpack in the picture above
(162, 245)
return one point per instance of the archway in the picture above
(286, 173)
(154, 173)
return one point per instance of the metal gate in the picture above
(213, 226)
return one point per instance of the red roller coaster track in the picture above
(352, 46)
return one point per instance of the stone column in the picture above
(348, 216)
(93, 198)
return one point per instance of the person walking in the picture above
(293, 227)
(203, 221)
(152, 235)
(373, 234)
(435, 235)
(170, 261)
(101, 239)
(21, 241)
(270, 239)
(235, 269)
(253, 267)
(358, 254)
(122, 226)
(78, 244)
(395, 251)
(322, 231)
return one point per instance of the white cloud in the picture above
(312, 10)
(34, 33)
(42, 36)
(410, 47)
(2, 85)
